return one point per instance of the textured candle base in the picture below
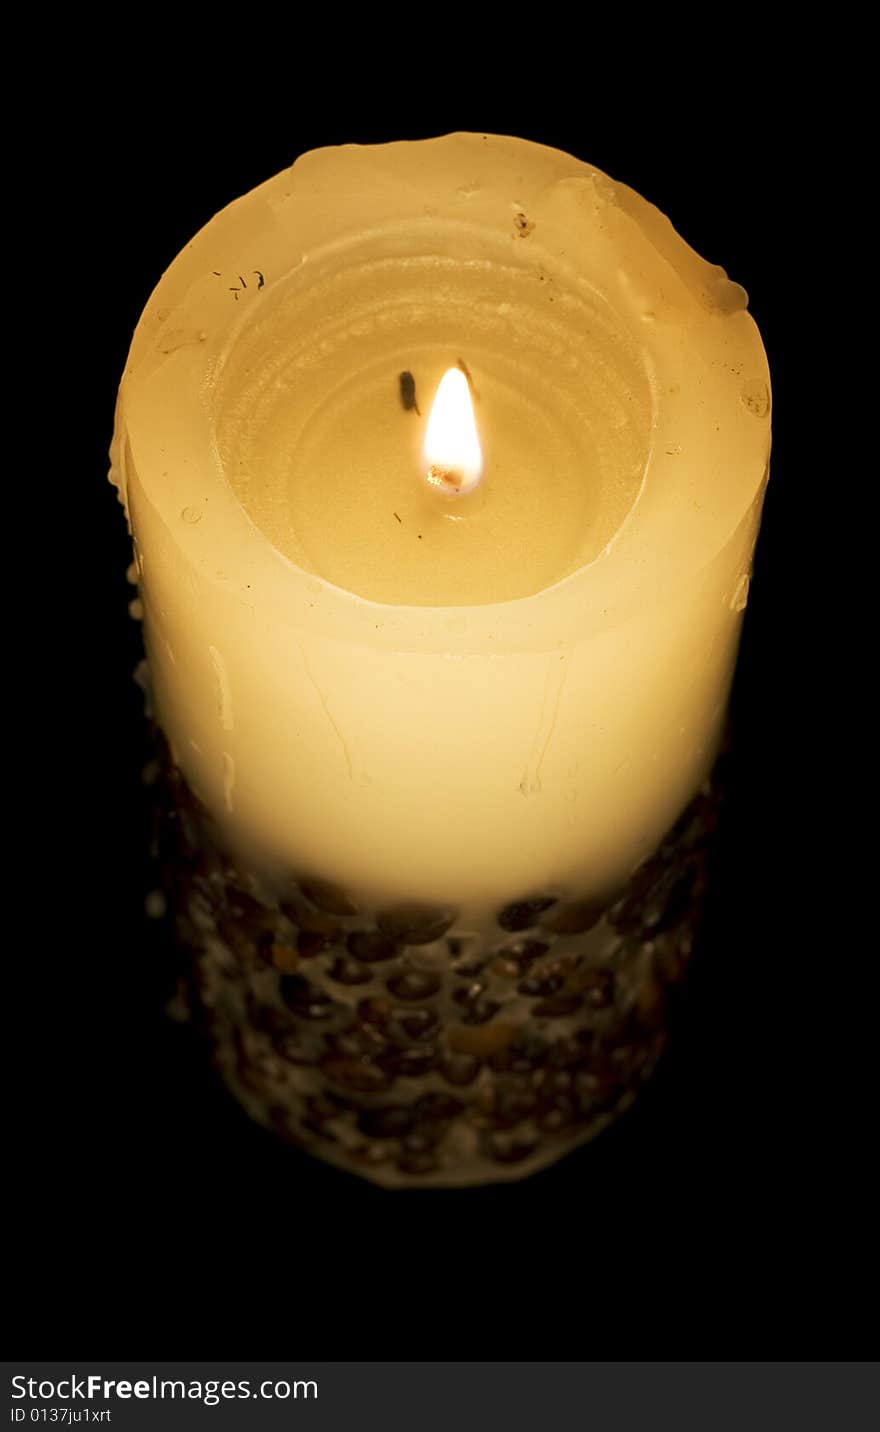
(403, 1049)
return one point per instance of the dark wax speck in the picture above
(408, 393)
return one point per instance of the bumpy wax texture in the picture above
(391, 1045)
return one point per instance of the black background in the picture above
(149, 1217)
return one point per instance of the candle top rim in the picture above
(183, 333)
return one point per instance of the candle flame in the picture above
(452, 447)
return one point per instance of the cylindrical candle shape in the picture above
(466, 701)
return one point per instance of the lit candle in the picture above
(444, 465)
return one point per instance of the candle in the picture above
(448, 698)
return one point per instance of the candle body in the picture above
(361, 692)
(450, 774)
(478, 749)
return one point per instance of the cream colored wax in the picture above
(415, 696)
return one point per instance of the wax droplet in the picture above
(131, 573)
(191, 515)
(756, 397)
(222, 688)
(179, 338)
(228, 779)
(151, 773)
(721, 294)
(155, 905)
(177, 1008)
(604, 188)
(741, 594)
(136, 610)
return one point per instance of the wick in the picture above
(463, 368)
(448, 478)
